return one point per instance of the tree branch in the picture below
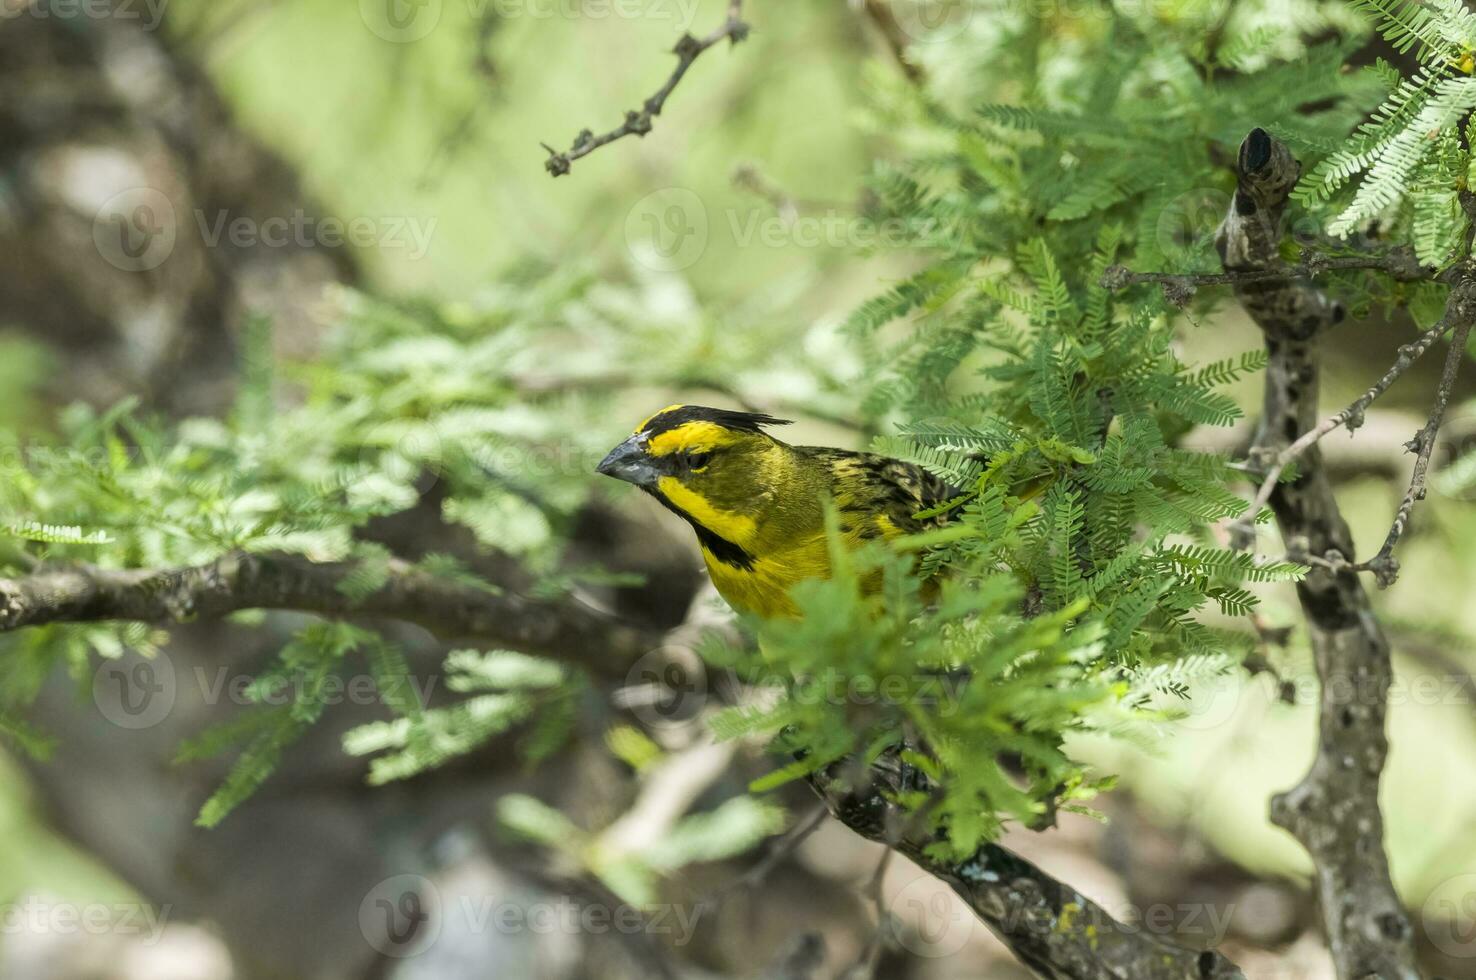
(1052, 928)
(566, 630)
(1334, 811)
(638, 122)
(1398, 263)
(879, 12)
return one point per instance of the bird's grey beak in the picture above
(630, 462)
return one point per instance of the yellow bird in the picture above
(758, 504)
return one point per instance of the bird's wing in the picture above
(879, 497)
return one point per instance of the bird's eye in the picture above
(696, 462)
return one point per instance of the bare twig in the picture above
(1351, 416)
(748, 177)
(765, 866)
(865, 966)
(638, 122)
(1334, 810)
(1383, 565)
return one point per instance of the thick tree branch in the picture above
(1334, 811)
(1398, 263)
(638, 122)
(1052, 928)
(565, 630)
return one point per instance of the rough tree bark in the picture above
(1334, 811)
(597, 642)
(1050, 927)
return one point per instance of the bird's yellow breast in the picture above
(763, 589)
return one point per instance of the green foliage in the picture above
(1409, 154)
(293, 694)
(632, 869)
(1080, 570)
(504, 690)
(494, 411)
(1050, 612)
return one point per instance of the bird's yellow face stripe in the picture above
(699, 436)
(737, 528)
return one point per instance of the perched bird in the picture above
(758, 504)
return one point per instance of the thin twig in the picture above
(1351, 416)
(761, 869)
(748, 177)
(1383, 565)
(638, 122)
(865, 966)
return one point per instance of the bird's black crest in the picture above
(737, 421)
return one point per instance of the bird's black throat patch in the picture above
(719, 547)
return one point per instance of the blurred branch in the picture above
(865, 967)
(802, 959)
(667, 793)
(1398, 263)
(780, 852)
(1052, 928)
(1334, 811)
(638, 122)
(879, 12)
(565, 630)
